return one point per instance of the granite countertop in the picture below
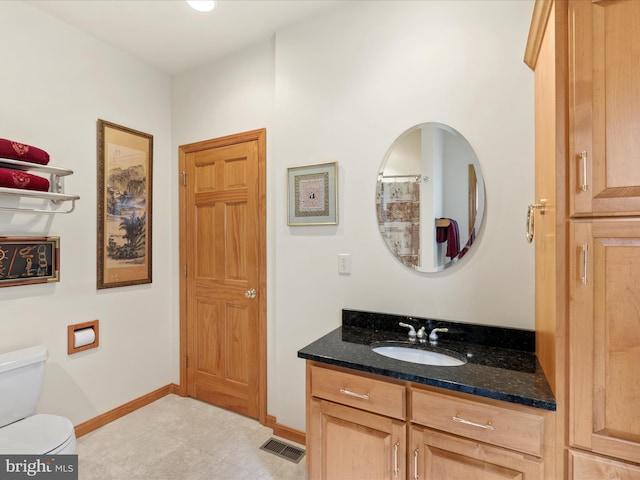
(495, 368)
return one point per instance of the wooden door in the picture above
(438, 456)
(605, 337)
(604, 103)
(350, 444)
(223, 266)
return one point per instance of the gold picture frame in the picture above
(313, 194)
(125, 168)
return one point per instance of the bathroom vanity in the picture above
(370, 416)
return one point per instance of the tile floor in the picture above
(182, 439)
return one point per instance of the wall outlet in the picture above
(344, 263)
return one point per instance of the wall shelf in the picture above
(56, 194)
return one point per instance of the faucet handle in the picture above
(412, 331)
(433, 336)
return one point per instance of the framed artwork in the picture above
(29, 260)
(125, 167)
(313, 194)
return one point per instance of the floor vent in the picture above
(283, 450)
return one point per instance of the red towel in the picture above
(24, 153)
(17, 179)
(451, 235)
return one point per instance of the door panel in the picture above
(350, 444)
(222, 247)
(605, 99)
(437, 456)
(605, 337)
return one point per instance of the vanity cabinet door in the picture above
(604, 47)
(437, 456)
(605, 337)
(348, 444)
(584, 466)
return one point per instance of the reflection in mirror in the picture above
(430, 197)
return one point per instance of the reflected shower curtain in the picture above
(398, 208)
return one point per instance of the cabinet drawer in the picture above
(583, 465)
(361, 392)
(505, 427)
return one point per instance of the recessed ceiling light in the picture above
(202, 5)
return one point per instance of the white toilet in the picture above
(21, 430)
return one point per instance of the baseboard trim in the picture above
(81, 429)
(286, 432)
(122, 410)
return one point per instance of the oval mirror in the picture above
(430, 197)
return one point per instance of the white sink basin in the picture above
(415, 355)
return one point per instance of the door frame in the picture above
(260, 137)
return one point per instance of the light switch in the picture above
(344, 263)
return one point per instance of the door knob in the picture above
(251, 293)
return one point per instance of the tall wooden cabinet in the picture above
(586, 58)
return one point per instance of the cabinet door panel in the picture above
(604, 101)
(605, 337)
(440, 456)
(583, 466)
(350, 444)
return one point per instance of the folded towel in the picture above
(24, 153)
(17, 179)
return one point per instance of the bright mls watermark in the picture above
(39, 467)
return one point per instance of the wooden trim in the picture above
(71, 329)
(122, 410)
(259, 136)
(182, 201)
(541, 11)
(286, 432)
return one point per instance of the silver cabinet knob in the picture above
(251, 293)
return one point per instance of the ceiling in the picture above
(171, 35)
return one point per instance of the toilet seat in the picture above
(39, 434)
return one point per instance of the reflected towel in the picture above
(27, 181)
(451, 235)
(453, 240)
(24, 153)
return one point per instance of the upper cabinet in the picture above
(604, 107)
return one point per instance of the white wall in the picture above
(346, 85)
(56, 82)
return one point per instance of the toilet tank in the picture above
(20, 381)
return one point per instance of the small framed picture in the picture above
(28, 260)
(313, 194)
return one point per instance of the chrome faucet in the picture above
(433, 336)
(412, 331)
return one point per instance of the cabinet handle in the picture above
(585, 251)
(344, 391)
(396, 469)
(486, 426)
(530, 222)
(584, 186)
